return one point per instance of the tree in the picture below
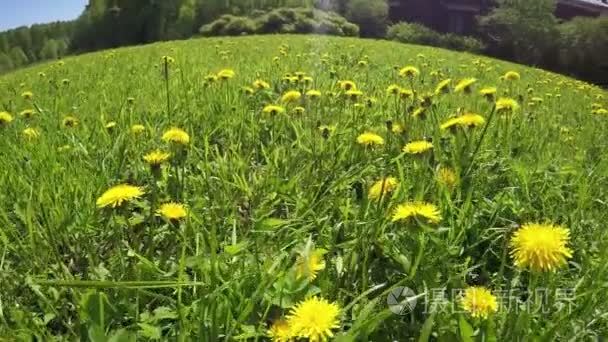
(23, 39)
(186, 18)
(370, 15)
(62, 47)
(39, 36)
(584, 47)
(523, 30)
(49, 50)
(6, 63)
(18, 57)
(4, 46)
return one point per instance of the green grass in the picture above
(262, 189)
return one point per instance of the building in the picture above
(459, 16)
(568, 9)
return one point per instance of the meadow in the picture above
(290, 187)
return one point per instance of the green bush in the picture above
(413, 34)
(282, 20)
(370, 15)
(460, 43)
(522, 30)
(584, 48)
(239, 25)
(217, 26)
(419, 34)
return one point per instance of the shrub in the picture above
(460, 43)
(238, 26)
(584, 48)
(413, 34)
(523, 30)
(217, 26)
(370, 15)
(350, 29)
(419, 34)
(282, 20)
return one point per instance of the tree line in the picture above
(520, 30)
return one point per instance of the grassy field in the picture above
(299, 214)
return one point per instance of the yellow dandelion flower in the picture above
(307, 80)
(537, 99)
(27, 95)
(512, 76)
(397, 128)
(5, 118)
(410, 210)
(409, 71)
(540, 247)
(479, 302)
(177, 136)
(406, 93)
(248, 90)
(273, 109)
(426, 100)
(157, 157)
(27, 113)
(601, 111)
(314, 319)
(110, 125)
(313, 94)
(291, 96)
(70, 121)
(259, 84)
(488, 91)
(382, 187)
(119, 194)
(466, 120)
(370, 139)
(172, 211)
(280, 331)
(299, 110)
(64, 148)
(225, 74)
(506, 105)
(137, 129)
(419, 112)
(447, 177)
(31, 133)
(309, 264)
(290, 79)
(465, 85)
(347, 85)
(443, 87)
(354, 94)
(167, 59)
(362, 63)
(393, 89)
(417, 147)
(329, 128)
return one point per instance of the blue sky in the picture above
(15, 13)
